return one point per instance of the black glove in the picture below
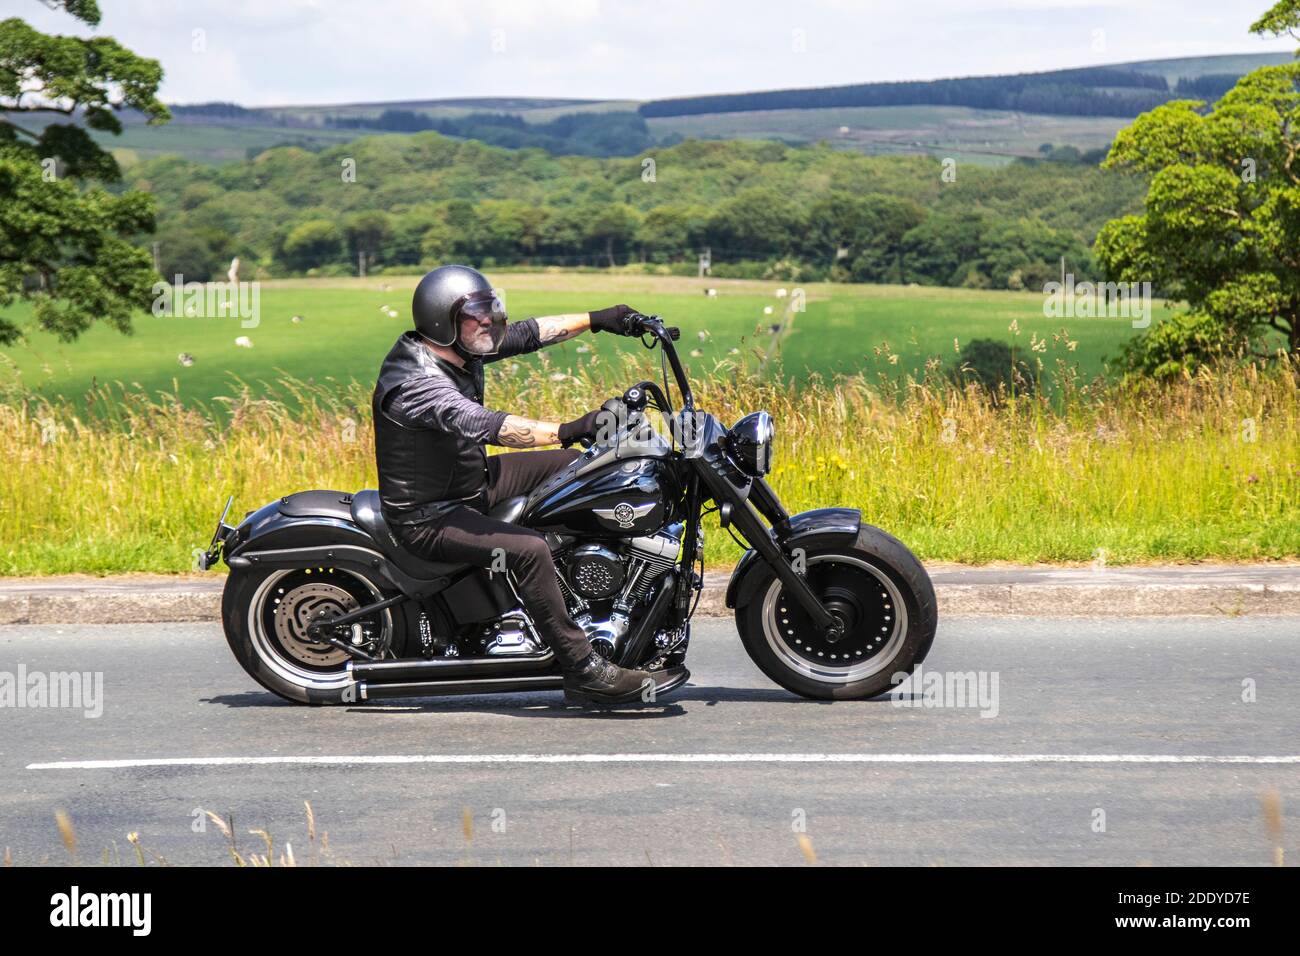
(584, 427)
(613, 319)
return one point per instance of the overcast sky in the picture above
(265, 52)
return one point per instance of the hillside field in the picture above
(344, 334)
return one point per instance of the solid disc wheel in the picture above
(880, 594)
(864, 600)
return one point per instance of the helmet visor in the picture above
(487, 311)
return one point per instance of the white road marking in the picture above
(664, 758)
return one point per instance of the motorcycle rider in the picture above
(436, 480)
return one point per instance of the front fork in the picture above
(762, 500)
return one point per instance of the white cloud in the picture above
(332, 51)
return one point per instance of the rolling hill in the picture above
(991, 119)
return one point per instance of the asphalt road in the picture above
(951, 791)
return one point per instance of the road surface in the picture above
(1094, 742)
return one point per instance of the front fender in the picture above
(808, 528)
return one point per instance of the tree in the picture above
(67, 248)
(314, 243)
(366, 232)
(614, 225)
(869, 227)
(1282, 17)
(1221, 225)
(944, 249)
(756, 222)
(196, 255)
(1023, 253)
(506, 228)
(669, 230)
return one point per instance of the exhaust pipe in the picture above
(456, 688)
(444, 669)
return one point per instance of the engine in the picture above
(603, 583)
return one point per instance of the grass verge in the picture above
(1205, 468)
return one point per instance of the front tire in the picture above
(881, 592)
(265, 613)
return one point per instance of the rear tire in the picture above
(264, 613)
(882, 592)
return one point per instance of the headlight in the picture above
(749, 444)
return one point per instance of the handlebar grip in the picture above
(643, 323)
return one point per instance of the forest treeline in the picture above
(1097, 91)
(761, 209)
(613, 133)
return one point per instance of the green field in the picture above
(965, 134)
(344, 334)
(214, 143)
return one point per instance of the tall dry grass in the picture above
(1207, 467)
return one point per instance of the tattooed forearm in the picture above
(558, 328)
(519, 432)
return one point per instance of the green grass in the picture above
(344, 335)
(1205, 468)
(103, 478)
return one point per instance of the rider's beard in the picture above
(476, 339)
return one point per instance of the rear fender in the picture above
(270, 538)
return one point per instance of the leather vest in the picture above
(424, 472)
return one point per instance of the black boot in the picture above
(600, 681)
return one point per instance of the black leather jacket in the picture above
(431, 426)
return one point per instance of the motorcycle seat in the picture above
(369, 517)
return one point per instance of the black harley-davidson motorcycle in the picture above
(323, 605)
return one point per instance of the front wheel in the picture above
(881, 593)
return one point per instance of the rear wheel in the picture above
(875, 587)
(266, 614)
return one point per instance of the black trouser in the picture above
(468, 536)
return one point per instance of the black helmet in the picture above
(447, 292)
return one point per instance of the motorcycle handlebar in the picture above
(666, 335)
(642, 324)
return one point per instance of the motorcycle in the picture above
(323, 605)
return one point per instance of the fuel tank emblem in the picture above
(624, 514)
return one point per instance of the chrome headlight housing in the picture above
(749, 444)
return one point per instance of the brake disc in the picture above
(302, 606)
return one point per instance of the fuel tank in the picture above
(605, 495)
